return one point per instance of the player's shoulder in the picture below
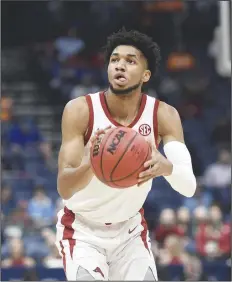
(76, 113)
(77, 107)
(168, 118)
(167, 111)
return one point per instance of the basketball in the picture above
(117, 157)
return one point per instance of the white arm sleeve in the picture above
(182, 178)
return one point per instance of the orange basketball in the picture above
(118, 157)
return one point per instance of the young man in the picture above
(101, 232)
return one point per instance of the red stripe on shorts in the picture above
(144, 232)
(67, 220)
(63, 255)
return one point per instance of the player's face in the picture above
(127, 70)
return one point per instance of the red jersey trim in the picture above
(107, 113)
(67, 220)
(91, 119)
(144, 232)
(155, 122)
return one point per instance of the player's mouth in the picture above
(120, 79)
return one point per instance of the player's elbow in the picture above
(63, 194)
(190, 193)
(62, 189)
(183, 181)
(185, 185)
(191, 188)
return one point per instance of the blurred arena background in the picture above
(51, 53)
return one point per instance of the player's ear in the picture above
(146, 75)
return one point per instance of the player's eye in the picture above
(113, 60)
(130, 61)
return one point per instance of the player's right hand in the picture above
(98, 133)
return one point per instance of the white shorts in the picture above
(118, 251)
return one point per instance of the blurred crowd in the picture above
(184, 231)
(23, 147)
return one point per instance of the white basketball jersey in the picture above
(99, 202)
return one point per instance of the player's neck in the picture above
(123, 106)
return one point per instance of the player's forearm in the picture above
(72, 180)
(182, 178)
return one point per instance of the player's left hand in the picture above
(158, 165)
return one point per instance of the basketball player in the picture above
(101, 232)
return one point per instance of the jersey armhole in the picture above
(155, 122)
(91, 119)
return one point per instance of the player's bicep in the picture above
(74, 124)
(170, 127)
(71, 153)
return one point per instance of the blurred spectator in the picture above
(17, 256)
(47, 154)
(183, 220)
(108, 12)
(169, 91)
(56, 9)
(40, 208)
(7, 200)
(68, 45)
(19, 216)
(49, 236)
(38, 244)
(200, 217)
(218, 175)
(193, 268)
(24, 133)
(172, 252)
(167, 226)
(35, 244)
(221, 134)
(53, 260)
(213, 238)
(10, 232)
(194, 95)
(200, 197)
(15, 155)
(85, 87)
(6, 108)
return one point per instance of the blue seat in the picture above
(217, 270)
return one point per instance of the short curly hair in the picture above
(141, 41)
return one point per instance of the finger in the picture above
(150, 172)
(149, 163)
(99, 132)
(143, 181)
(102, 131)
(144, 178)
(145, 173)
(94, 139)
(108, 127)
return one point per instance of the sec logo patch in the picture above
(144, 129)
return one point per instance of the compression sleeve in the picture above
(182, 178)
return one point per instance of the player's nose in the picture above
(120, 67)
